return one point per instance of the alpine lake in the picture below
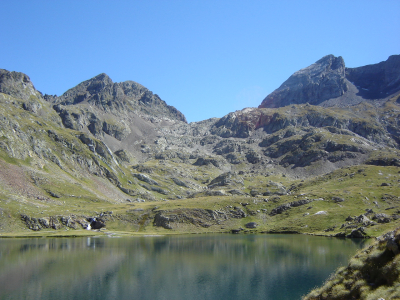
(217, 266)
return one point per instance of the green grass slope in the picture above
(373, 273)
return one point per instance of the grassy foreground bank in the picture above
(373, 273)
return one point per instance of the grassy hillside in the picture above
(337, 203)
(92, 159)
(373, 273)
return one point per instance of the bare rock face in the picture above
(329, 79)
(108, 96)
(321, 81)
(17, 85)
(236, 124)
(376, 81)
(226, 179)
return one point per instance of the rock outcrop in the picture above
(63, 222)
(18, 85)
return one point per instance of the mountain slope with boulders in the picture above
(116, 157)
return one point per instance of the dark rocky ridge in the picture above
(329, 79)
(103, 93)
(376, 81)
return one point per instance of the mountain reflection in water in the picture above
(177, 267)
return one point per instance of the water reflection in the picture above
(179, 267)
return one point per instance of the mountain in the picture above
(102, 93)
(116, 155)
(329, 83)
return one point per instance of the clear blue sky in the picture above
(207, 58)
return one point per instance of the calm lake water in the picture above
(178, 267)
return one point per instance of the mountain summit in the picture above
(103, 93)
(321, 81)
(329, 83)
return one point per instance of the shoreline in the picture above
(99, 233)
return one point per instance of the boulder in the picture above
(251, 225)
(286, 206)
(357, 233)
(238, 213)
(145, 178)
(226, 179)
(381, 218)
(162, 221)
(337, 199)
(321, 212)
(210, 161)
(122, 155)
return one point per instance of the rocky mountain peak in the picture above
(328, 82)
(332, 62)
(103, 77)
(325, 79)
(102, 93)
(327, 64)
(17, 85)
(100, 82)
(86, 90)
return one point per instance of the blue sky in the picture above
(206, 58)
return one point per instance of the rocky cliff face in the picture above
(319, 82)
(108, 96)
(17, 85)
(123, 115)
(376, 81)
(328, 82)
